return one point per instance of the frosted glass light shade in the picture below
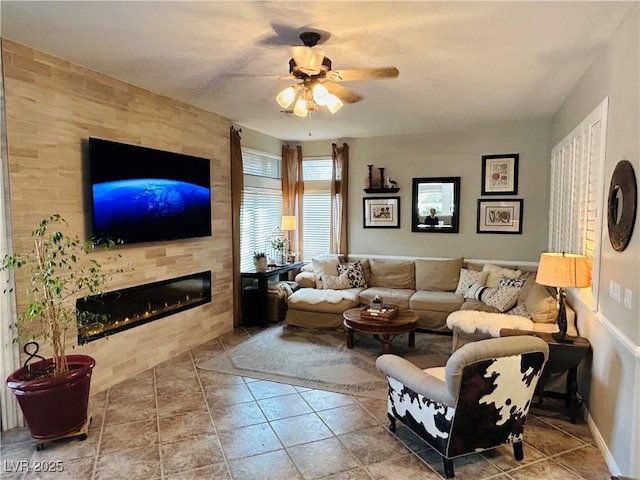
(286, 97)
(564, 270)
(320, 94)
(334, 103)
(300, 110)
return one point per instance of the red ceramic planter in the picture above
(54, 407)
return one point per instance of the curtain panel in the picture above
(237, 185)
(292, 191)
(339, 198)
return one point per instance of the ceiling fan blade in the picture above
(354, 74)
(343, 93)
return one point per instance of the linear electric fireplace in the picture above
(123, 309)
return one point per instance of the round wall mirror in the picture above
(622, 204)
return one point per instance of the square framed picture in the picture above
(500, 216)
(500, 174)
(381, 212)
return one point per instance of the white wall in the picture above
(612, 382)
(442, 155)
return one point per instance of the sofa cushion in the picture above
(468, 278)
(392, 273)
(390, 296)
(496, 273)
(438, 275)
(541, 304)
(355, 274)
(472, 304)
(324, 266)
(328, 301)
(436, 301)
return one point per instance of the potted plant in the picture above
(376, 303)
(53, 393)
(260, 261)
(279, 244)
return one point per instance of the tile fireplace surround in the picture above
(176, 421)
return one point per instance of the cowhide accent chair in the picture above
(478, 401)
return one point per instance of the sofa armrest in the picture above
(414, 378)
(306, 280)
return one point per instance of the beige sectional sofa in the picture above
(431, 287)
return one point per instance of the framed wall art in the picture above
(500, 216)
(500, 174)
(381, 212)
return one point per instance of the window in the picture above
(261, 211)
(316, 206)
(577, 173)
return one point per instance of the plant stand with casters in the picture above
(80, 434)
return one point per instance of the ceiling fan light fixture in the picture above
(320, 94)
(334, 103)
(286, 97)
(300, 109)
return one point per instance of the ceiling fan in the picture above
(320, 84)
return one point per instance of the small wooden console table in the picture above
(254, 297)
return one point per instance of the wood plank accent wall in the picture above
(53, 107)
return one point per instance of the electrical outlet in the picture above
(611, 288)
(627, 298)
(617, 291)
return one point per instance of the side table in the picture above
(563, 357)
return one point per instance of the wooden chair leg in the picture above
(517, 451)
(448, 467)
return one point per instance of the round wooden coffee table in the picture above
(405, 322)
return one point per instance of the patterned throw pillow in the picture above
(355, 273)
(479, 292)
(468, 278)
(506, 295)
(332, 282)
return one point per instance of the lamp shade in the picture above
(564, 270)
(288, 222)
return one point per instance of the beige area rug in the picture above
(319, 359)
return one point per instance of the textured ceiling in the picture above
(461, 63)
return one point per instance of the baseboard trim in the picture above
(608, 458)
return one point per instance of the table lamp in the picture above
(288, 224)
(563, 270)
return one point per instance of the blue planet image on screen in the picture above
(144, 209)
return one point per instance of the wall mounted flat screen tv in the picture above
(141, 194)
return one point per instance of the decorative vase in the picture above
(260, 264)
(54, 406)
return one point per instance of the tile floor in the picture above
(178, 422)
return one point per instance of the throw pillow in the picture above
(541, 304)
(335, 282)
(324, 266)
(496, 273)
(479, 292)
(355, 273)
(506, 295)
(468, 278)
(519, 310)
